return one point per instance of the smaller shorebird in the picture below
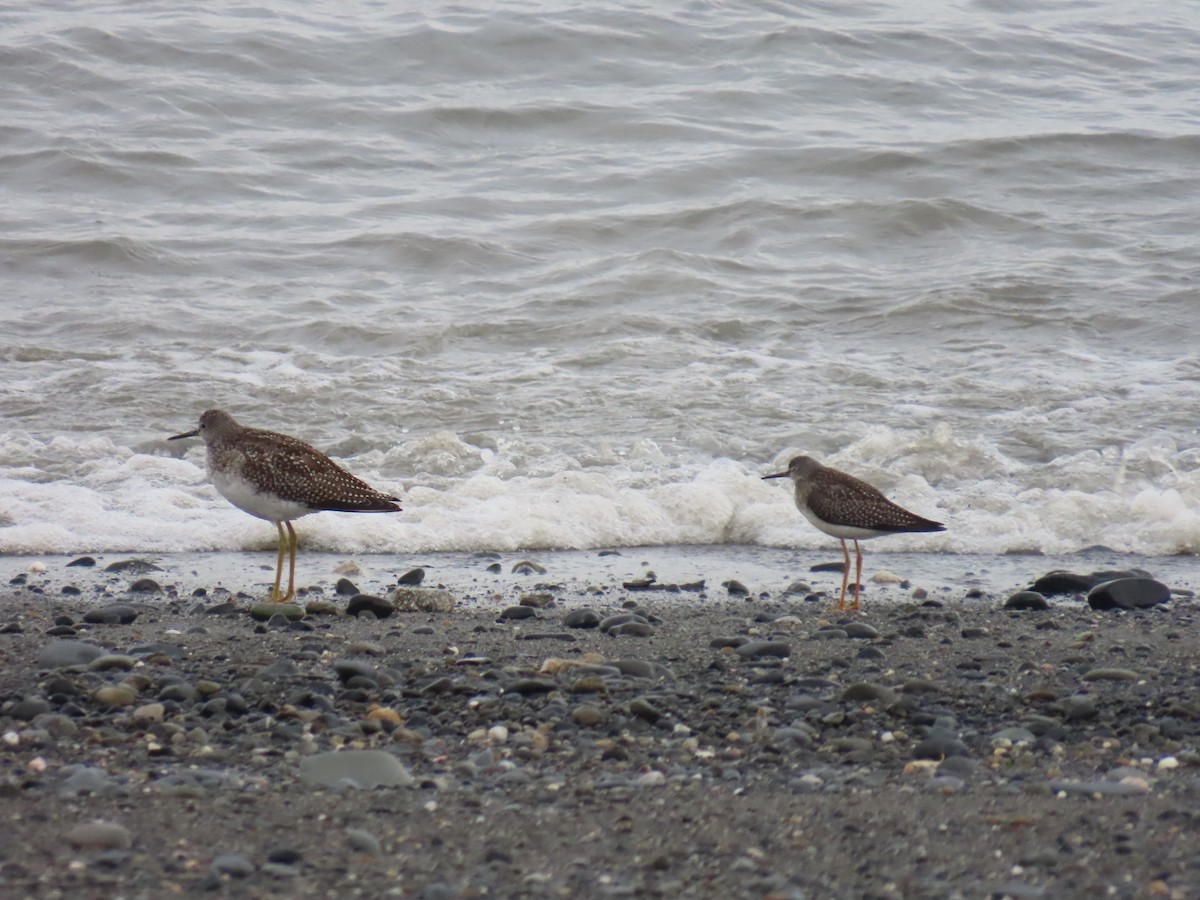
(848, 509)
(279, 478)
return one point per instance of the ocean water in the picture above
(575, 275)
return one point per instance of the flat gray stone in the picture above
(354, 768)
(61, 654)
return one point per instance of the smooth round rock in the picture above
(377, 606)
(231, 865)
(264, 612)
(588, 716)
(1026, 600)
(756, 649)
(115, 614)
(514, 613)
(866, 692)
(644, 709)
(610, 622)
(145, 586)
(61, 654)
(537, 599)
(581, 618)
(363, 842)
(1128, 593)
(100, 836)
(114, 695)
(112, 662)
(412, 577)
(1109, 674)
(354, 768)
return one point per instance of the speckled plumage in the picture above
(848, 509)
(279, 478)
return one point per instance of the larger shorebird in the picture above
(279, 478)
(848, 509)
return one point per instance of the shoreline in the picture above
(934, 748)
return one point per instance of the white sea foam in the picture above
(90, 495)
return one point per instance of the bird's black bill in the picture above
(193, 433)
(776, 475)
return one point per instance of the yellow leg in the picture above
(292, 565)
(275, 598)
(845, 576)
(858, 574)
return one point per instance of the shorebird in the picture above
(279, 478)
(848, 509)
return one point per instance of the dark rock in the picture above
(525, 686)
(1026, 600)
(860, 631)
(412, 577)
(838, 567)
(348, 669)
(611, 622)
(70, 590)
(116, 614)
(644, 709)
(84, 561)
(735, 588)
(1060, 582)
(641, 584)
(581, 618)
(345, 588)
(377, 606)
(145, 586)
(518, 612)
(528, 567)
(1128, 593)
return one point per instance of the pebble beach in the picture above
(653, 722)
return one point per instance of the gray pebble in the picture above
(354, 768)
(61, 654)
(231, 865)
(363, 842)
(100, 836)
(756, 649)
(513, 613)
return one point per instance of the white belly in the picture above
(242, 494)
(845, 532)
